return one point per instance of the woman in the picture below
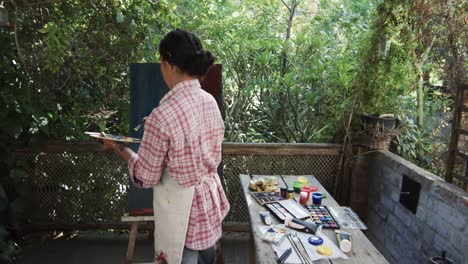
(179, 156)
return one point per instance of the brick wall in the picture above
(441, 218)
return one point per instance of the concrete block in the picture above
(429, 203)
(375, 228)
(433, 221)
(389, 233)
(424, 197)
(445, 192)
(425, 178)
(397, 173)
(391, 176)
(378, 244)
(457, 241)
(462, 205)
(428, 236)
(381, 211)
(415, 258)
(444, 229)
(417, 226)
(421, 213)
(390, 245)
(456, 256)
(396, 224)
(416, 234)
(442, 209)
(389, 258)
(464, 244)
(388, 203)
(395, 196)
(427, 251)
(408, 243)
(403, 214)
(380, 172)
(458, 220)
(441, 244)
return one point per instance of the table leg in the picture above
(131, 242)
(252, 249)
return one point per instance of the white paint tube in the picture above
(344, 240)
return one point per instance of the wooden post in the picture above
(131, 242)
(134, 220)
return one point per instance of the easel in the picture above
(134, 220)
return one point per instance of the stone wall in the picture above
(441, 218)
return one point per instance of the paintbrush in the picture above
(284, 256)
(135, 129)
(296, 249)
(306, 255)
(285, 184)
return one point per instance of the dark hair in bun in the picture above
(184, 49)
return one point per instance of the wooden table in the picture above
(363, 251)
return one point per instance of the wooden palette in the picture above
(124, 139)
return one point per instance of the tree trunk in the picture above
(420, 97)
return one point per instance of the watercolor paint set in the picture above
(321, 216)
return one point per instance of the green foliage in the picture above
(413, 144)
(386, 71)
(426, 146)
(68, 76)
(292, 89)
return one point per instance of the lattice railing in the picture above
(78, 186)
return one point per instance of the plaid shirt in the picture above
(184, 134)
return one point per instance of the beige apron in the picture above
(172, 204)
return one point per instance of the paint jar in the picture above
(313, 188)
(317, 198)
(297, 186)
(284, 192)
(302, 180)
(303, 197)
(290, 194)
(308, 191)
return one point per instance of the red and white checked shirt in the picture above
(184, 134)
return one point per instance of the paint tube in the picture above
(266, 218)
(344, 240)
(303, 226)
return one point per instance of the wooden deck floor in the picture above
(94, 248)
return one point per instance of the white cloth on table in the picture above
(311, 249)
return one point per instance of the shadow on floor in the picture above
(110, 247)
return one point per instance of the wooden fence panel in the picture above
(76, 186)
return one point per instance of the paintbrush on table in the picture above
(284, 256)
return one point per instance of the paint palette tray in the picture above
(266, 197)
(287, 208)
(322, 216)
(347, 218)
